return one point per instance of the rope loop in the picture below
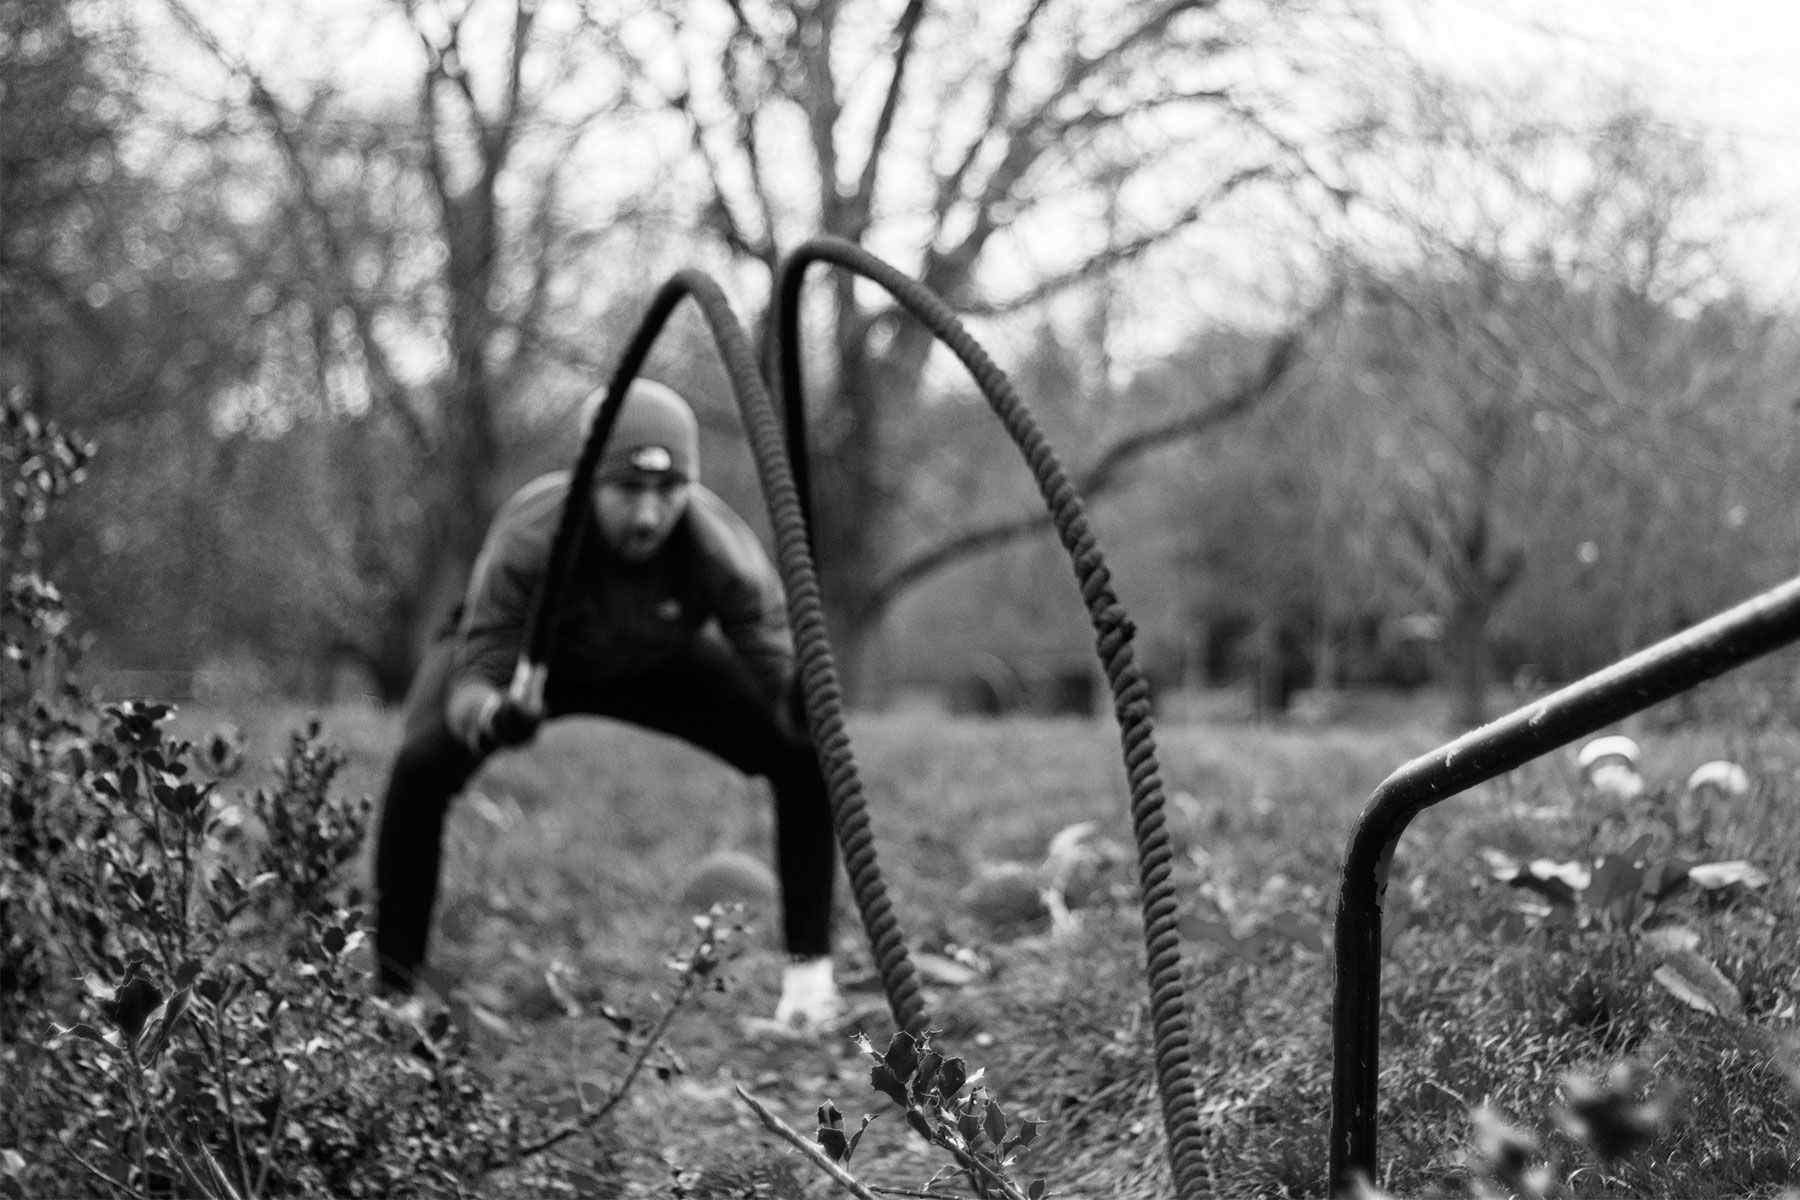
(1113, 632)
(783, 471)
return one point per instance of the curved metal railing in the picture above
(1734, 637)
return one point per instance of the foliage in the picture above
(309, 839)
(39, 463)
(929, 1089)
(207, 1054)
(183, 998)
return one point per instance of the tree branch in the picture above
(999, 96)
(1340, 193)
(774, 1124)
(1027, 139)
(116, 1185)
(1119, 253)
(819, 100)
(905, 29)
(383, 381)
(524, 13)
(448, 60)
(745, 110)
(1105, 473)
(544, 225)
(719, 213)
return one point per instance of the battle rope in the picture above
(780, 460)
(1112, 634)
(806, 613)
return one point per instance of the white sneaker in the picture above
(809, 996)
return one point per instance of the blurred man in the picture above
(673, 619)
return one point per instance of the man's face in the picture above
(638, 511)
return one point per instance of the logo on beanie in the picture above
(653, 460)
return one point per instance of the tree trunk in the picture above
(854, 492)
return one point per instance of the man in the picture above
(673, 619)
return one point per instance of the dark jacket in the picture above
(620, 619)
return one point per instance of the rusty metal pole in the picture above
(1757, 626)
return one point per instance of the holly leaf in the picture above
(1025, 1134)
(857, 1136)
(927, 1071)
(995, 1123)
(172, 1010)
(86, 1033)
(883, 1080)
(951, 1076)
(132, 1003)
(902, 1056)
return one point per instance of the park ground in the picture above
(561, 906)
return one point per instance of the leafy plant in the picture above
(162, 1036)
(207, 1055)
(945, 1104)
(1611, 1116)
(1631, 895)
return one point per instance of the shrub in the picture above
(181, 1014)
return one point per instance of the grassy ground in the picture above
(568, 858)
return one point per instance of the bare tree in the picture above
(1535, 355)
(947, 139)
(409, 243)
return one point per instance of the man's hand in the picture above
(505, 722)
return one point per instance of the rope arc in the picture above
(1113, 635)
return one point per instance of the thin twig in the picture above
(794, 1138)
(172, 1141)
(188, 1168)
(123, 1189)
(589, 1119)
(223, 1062)
(273, 1134)
(889, 1190)
(970, 1164)
(219, 1172)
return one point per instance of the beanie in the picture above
(656, 434)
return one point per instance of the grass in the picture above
(567, 857)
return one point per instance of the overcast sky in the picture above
(1728, 68)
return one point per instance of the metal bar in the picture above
(1757, 626)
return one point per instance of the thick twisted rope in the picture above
(806, 612)
(770, 446)
(1112, 634)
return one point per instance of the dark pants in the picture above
(706, 698)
